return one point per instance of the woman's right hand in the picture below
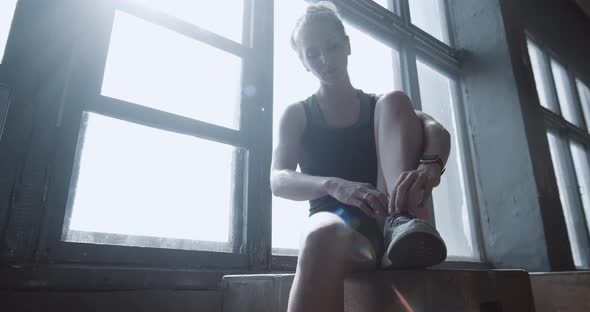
(362, 195)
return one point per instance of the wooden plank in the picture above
(412, 290)
(112, 301)
(564, 291)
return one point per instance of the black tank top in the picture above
(348, 153)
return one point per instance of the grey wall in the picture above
(520, 212)
(510, 213)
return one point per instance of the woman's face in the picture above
(324, 51)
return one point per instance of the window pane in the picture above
(582, 167)
(386, 4)
(6, 14)
(292, 83)
(567, 197)
(584, 94)
(155, 67)
(565, 94)
(143, 186)
(371, 67)
(451, 210)
(430, 16)
(222, 17)
(542, 77)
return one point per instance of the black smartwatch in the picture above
(433, 159)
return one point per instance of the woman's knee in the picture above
(327, 232)
(396, 105)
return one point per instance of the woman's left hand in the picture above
(413, 188)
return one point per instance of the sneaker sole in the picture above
(416, 250)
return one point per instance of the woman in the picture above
(368, 165)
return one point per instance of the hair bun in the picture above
(317, 11)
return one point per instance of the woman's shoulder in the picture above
(295, 110)
(295, 114)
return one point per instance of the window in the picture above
(542, 77)
(142, 186)
(7, 8)
(565, 94)
(582, 168)
(569, 198)
(566, 114)
(388, 4)
(372, 68)
(223, 17)
(584, 94)
(153, 66)
(451, 208)
(162, 153)
(430, 16)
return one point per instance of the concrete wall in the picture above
(520, 212)
(510, 215)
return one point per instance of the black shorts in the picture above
(356, 219)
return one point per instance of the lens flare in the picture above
(363, 251)
(352, 221)
(402, 300)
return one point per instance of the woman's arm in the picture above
(284, 180)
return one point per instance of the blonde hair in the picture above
(319, 11)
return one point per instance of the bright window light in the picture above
(582, 167)
(383, 3)
(7, 8)
(292, 83)
(569, 202)
(223, 17)
(371, 66)
(451, 209)
(565, 93)
(584, 94)
(429, 15)
(542, 77)
(146, 185)
(158, 68)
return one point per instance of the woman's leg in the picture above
(399, 140)
(330, 250)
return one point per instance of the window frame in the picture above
(83, 93)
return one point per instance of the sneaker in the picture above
(412, 243)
